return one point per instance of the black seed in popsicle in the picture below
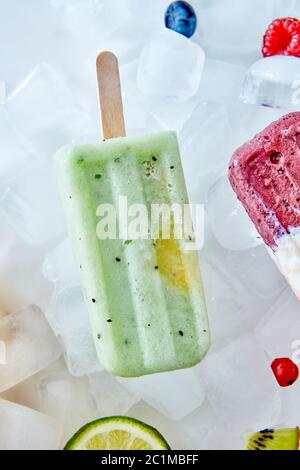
(275, 157)
(94, 301)
(118, 260)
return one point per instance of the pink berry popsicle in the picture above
(265, 174)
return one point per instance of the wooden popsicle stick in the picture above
(110, 97)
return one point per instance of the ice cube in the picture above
(16, 153)
(198, 427)
(240, 385)
(60, 266)
(136, 112)
(170, 66)
(221, 81)
(25, 393)
(205, 153)
(224, 437)
(232, 31)
(153, 10)
(68, 317)
(174, 394)
(24, 429)
(21, 279)
(234, 303)
(92, 21)
(248, 120)
(168, 428)
(29, 346)
(279, 329)
(112, 399)
(32, 206)
(66, 398)
(290, 399)
(257, 271)
(274, 82)
(44, 109)
(225, 308)
(228, 219)
(204, 430)
(56, 393)
(170, 114)
(129, 40)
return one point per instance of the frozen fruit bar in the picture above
(145, 296)
(265, 174)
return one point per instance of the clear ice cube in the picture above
(32, 206)
(21, 279)
(235, 303)
(60, 266)
(224, 308)
(29, 346)
(170, 66)
(66, 398)
(205, 154)
(56, 393)
(174, 394)
(240, 385)
(153, 10)
(168, 428)
(44, 109)
(279, 330)
(68, 317)
(16, 153)
(233, 30)
(248, 120)
(221, 81)
(92, 21)
(198, 427)
(257, 272)
(169, 114)
(274, 82)
(290, 400)
(112, 399)
(25, 429)
(228, 219)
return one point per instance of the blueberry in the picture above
(181, 17)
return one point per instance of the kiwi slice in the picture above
(273, 439)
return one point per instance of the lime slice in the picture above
(273, 439)
(117, 433)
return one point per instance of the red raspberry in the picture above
(282, 38)
(285, 371)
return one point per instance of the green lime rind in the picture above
(273, 439)
(76, 441)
